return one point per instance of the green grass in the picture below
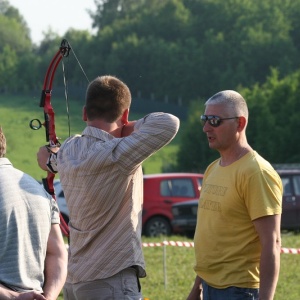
(169, 269)
(162, 160)
(23, 142)
(180, 275)
(170, 275)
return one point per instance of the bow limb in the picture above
(49, 115)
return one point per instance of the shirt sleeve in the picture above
(265, 195)
(52, 163)
(55, 219)
(151, 133)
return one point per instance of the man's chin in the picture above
(211, 145)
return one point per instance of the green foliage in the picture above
(274, 116)
(15, 41)
(13, 29)
(235, 39)
(185, 49)
(173, 48)
(8, 65)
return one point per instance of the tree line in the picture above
(180, 50)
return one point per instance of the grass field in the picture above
(180, 275)
(170, 274)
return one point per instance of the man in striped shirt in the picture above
(101, 175)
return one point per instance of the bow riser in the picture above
(49, 124)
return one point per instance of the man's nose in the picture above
(206, 127)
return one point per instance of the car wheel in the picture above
(157, 226)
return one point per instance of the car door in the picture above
(296, 194)
(290, 203)
(175, 190)
(288, 217)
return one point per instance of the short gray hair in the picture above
(232, 100)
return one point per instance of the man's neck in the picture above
(115, 129)
(234, 155)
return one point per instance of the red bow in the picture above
(49, 123)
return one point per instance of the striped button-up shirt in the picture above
(103, 184)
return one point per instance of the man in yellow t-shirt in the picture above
(237, 238)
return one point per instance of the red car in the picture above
(161, 191)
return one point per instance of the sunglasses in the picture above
(214, 121)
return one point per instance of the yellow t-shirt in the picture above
(227, 246)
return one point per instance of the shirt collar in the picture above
(4, 161)
(97, 133)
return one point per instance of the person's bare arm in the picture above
(6, 294)
(196, 291)
(268, 229)
(55, 264)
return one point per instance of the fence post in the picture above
(165, 266)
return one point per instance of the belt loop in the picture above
(137, 277)
(138, 281)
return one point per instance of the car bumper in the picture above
(184, 225)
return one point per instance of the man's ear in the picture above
(84, 116)
(124, 117)
(242, 123)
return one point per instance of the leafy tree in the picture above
(108, 11)
(295, 27)
(191, 48)
(8, 61)
(274, 116)
(13, 29)
(30, 81)
(15, 49)
(177, 48)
